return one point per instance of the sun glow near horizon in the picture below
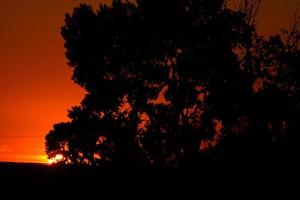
(57, 158)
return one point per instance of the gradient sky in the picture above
(35, 85)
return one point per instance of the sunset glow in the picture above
(57, 158)
(35, 80)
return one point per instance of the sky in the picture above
(35, 81)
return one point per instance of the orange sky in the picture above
(35, 85)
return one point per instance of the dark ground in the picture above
(227, 181)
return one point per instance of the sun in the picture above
(57, 158)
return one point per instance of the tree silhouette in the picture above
(269, 126)
(166, 80)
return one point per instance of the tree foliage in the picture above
(167, 80)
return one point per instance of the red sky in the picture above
(35, 85)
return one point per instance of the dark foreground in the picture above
(209, 181)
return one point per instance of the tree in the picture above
(269, 128)
(250, 9)
(160, 85)
(168, 80)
